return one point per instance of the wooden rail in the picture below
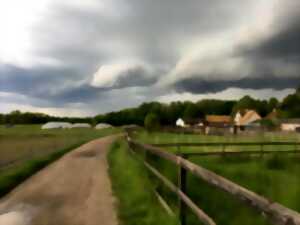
(212, 144)
(275, 212)
(202, 216)
(230, 152)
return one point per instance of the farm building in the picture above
(290, 124)
(272, 115)
(218, 121)
(100, 126)
(216, 124)
(249, 118)
(180, 123)
(56, 125)
(81, 125)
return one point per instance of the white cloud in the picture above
(108, 75)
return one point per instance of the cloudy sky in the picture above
(83, 57)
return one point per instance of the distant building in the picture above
(290, 124)
(215, 124)
(81, 125)
(272, 115)
(102, 126)
(56, 125)
(218, 121)
(250, 117)
(180, 123)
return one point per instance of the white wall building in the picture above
(180, 123)
(81, 125)
(57, 125)
(102, 126)
(290, 125)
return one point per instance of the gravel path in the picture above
(75, 190)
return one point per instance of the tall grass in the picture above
(137, 203)
(273, 176)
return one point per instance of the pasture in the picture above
(273, 176)
(25, 149)
(30, 141)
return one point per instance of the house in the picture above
(218, 121)
(102, 126)
(81, 125)
(180, 122)
(216, 124)
(272, 115)
(56, 125)
(250, 117)
(290, 124)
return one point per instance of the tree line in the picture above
(167, 114)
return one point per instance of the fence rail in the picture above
(202, 144)
(275, 212)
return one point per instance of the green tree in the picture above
(272, 104)
(152, 122)
(191, 112)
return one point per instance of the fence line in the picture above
(201, 144)
(275, 212)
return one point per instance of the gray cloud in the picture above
(198, 86)
(159, 34)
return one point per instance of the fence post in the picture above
(261, 150)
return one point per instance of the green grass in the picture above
(29, 140)
(137, 203)
(160, 138)
(274, 176)
(31, 149)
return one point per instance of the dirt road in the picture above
(75, 190)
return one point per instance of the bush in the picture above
(152, 122)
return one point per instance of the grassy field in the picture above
(160, 138)
(29, 140)
(26, 149)
(276, 177)
(137, 203)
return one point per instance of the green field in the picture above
(276, 177)
(29, 140)
(26, 149)
(162, 138)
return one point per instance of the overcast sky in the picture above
(83, 57)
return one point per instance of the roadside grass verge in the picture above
(137, 203)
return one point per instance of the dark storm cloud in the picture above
(272, 62)
(198, 86)
(52, 85)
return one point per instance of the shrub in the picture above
(152, 122)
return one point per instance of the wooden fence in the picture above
(275, 212)
(225, 145)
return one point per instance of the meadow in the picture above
(274, 176)
(24, 149)
(30, 141)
